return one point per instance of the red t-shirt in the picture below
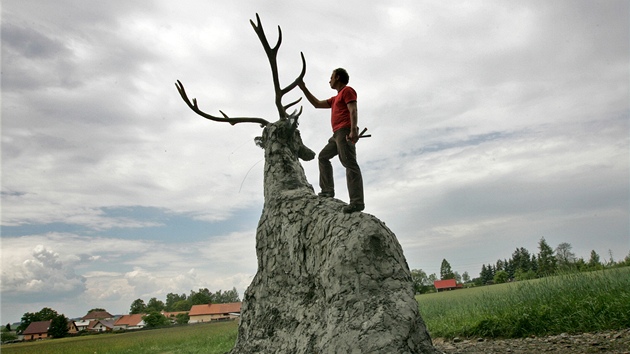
(340, 115)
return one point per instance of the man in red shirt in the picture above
(344, 119)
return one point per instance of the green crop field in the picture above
(572, 303)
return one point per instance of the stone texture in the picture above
(327, 282)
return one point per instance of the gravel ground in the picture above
(599, 342)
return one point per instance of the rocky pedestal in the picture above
(327, 282)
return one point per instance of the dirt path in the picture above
(600, 342)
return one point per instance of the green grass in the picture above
(205, 338)
(571, 303)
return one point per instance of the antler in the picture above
(193, 105)
(272, 54)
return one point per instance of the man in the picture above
(344, 119)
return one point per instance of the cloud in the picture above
(44, 273)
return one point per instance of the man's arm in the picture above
(312, 99)
(354, 121)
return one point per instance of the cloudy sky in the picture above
(494, 123)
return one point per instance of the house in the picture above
(37, 330)
(214, 312)
(101, 326)
(97, 315)
(133, 321)
(82, 325)
(446, 284)
(72, 327)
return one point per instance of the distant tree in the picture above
(446, 272)
(521, 275)
(137, 306)
(6, 335)
(594, 263)
(432, 278)
(155, 305)
(421, 282)
(487, 274)
(500, 265)
(580, 265)
(466, 277)
(534, 263)
(8, 327)
(182, 305)
(611, 260)
(155, 319)
(521, 259)
(203, 296)
(58, 327)
(44, 314)
(565, 258)
(458, 278)
(172, 299)
(97, 310)
(500, 277)
(182, 318)
(546, 259)
(225, 297)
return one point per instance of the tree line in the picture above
(182, 302)
(523, 265)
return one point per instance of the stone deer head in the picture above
(281, 140)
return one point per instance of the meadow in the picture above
(206, 338)
(571, 303)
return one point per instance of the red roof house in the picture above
(214, 312)
(134, 321)
(446, 284)
(37, 330)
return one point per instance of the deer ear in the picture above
(260, 141)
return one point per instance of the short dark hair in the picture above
(343, 76)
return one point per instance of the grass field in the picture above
(572, 303)
(210, 338)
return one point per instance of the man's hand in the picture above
(353, 137)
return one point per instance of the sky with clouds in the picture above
(494, 123)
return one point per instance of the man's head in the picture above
(339, 78)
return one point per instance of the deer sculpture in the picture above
(327, 282)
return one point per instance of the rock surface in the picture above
(327, 282)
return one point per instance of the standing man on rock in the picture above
(344, 119)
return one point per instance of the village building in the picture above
(101, 325)
(82, 325)
(214, 312)
(446, 284)
(129, 322)
(72, 327)
(37, 330)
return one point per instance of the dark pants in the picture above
(338, 145)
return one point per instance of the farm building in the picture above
(134, 321)
(101, 326)
(37, 330)
(214, 312)
(446, 284)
